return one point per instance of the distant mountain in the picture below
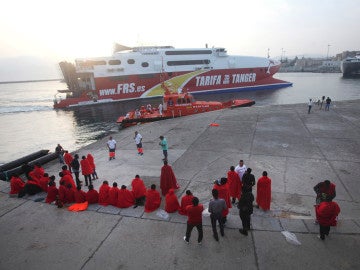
(27, 68)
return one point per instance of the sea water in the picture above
(29, 122)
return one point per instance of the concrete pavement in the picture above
(297, 149)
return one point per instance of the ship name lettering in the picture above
(126, 88)
(244, 77)
(208, 80)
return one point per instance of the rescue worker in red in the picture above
(263, 192)
(153, 199)
(186, 200)
(327, 212)
(171, 202)
(138, 190)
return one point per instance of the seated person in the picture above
(125, 198)
(113, 194)
(16, 185)
(52, 192)
(171, 202)
(79, 195)
(104, 193)
(92, 196)
(153, 199)
(138, 190)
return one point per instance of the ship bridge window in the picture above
(188, 62)
(91, 63)
(114, 62)
(98, 63)
(144, 64)
(220, 50)
(131, 61)
(190, 52)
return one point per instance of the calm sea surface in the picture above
(29, 123)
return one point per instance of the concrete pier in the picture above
(297, 149)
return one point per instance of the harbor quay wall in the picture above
(297, 149)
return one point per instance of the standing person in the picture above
(60, 152)
(75, 165)
(245, 206)
(216, 207)
(164, 146)
(263, 192)
(68, 158)
(138, 142)
(160, 109)
(194, 214)
(327, 106)
(240, 169)
(248, 180)
(167, 179)
(186, 200)
(310, 103)
(139, 190)
(91, 160)
(112, 147)
(235, 184)
(86, 170)
(223, 190)
(322, 102)
(327, 212)
(325, 190)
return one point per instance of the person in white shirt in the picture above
(112, 147)
(310, 105)
(160, 109)
(240, 169)
(138, 142)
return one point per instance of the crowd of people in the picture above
(234, 189)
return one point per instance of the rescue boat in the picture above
(177, 105)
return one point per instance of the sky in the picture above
(46, 32)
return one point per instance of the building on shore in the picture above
(320, 65)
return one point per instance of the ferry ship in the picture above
(350, 67)
(139, 72)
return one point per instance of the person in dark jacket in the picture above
(75, 166)
(245, 207)
(248, 181)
